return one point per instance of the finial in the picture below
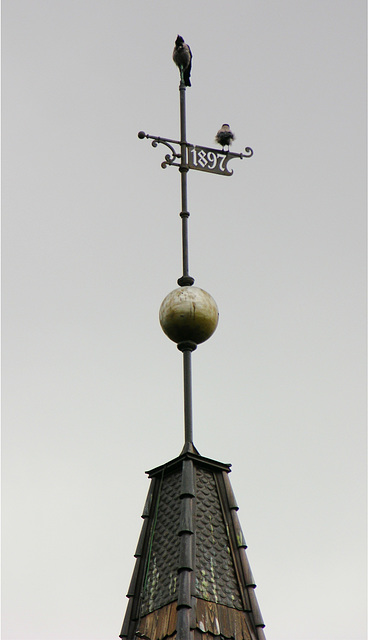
(188, 314)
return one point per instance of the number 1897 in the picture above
(207, 159)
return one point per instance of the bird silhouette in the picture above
(182, 56)
(224, 136)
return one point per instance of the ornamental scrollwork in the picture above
(196, 157)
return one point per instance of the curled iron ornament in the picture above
(169, 159)
(198, 157)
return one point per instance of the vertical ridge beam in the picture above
(138, 575)
(186, 553)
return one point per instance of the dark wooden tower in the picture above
(192, 578)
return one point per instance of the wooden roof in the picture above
(192, 579)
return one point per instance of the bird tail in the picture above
(186, 77)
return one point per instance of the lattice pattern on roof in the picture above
(215, 573)
(160, 585)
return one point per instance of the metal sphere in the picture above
(188, 314)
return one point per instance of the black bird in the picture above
(224, 136)
(182, 56)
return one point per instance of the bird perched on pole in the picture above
(182, 56)
(224, 136)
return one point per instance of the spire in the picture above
(192, 579)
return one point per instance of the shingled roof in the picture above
(192, 578)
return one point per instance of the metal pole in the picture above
(187, 348)
(186, 279)
(187, 387)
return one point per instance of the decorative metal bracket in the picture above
(169, 159)
(198, 158)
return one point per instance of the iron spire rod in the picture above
(186, 279)
(187, 384)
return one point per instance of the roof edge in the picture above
(195, 457)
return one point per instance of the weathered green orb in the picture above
(188, 314)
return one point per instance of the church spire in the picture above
(192, 579)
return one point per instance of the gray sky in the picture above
(92, 388)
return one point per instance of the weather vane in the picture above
(189, 315)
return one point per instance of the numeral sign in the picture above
(210, 160)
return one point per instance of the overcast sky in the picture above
(92, 388)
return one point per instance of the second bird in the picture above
(224, 136)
